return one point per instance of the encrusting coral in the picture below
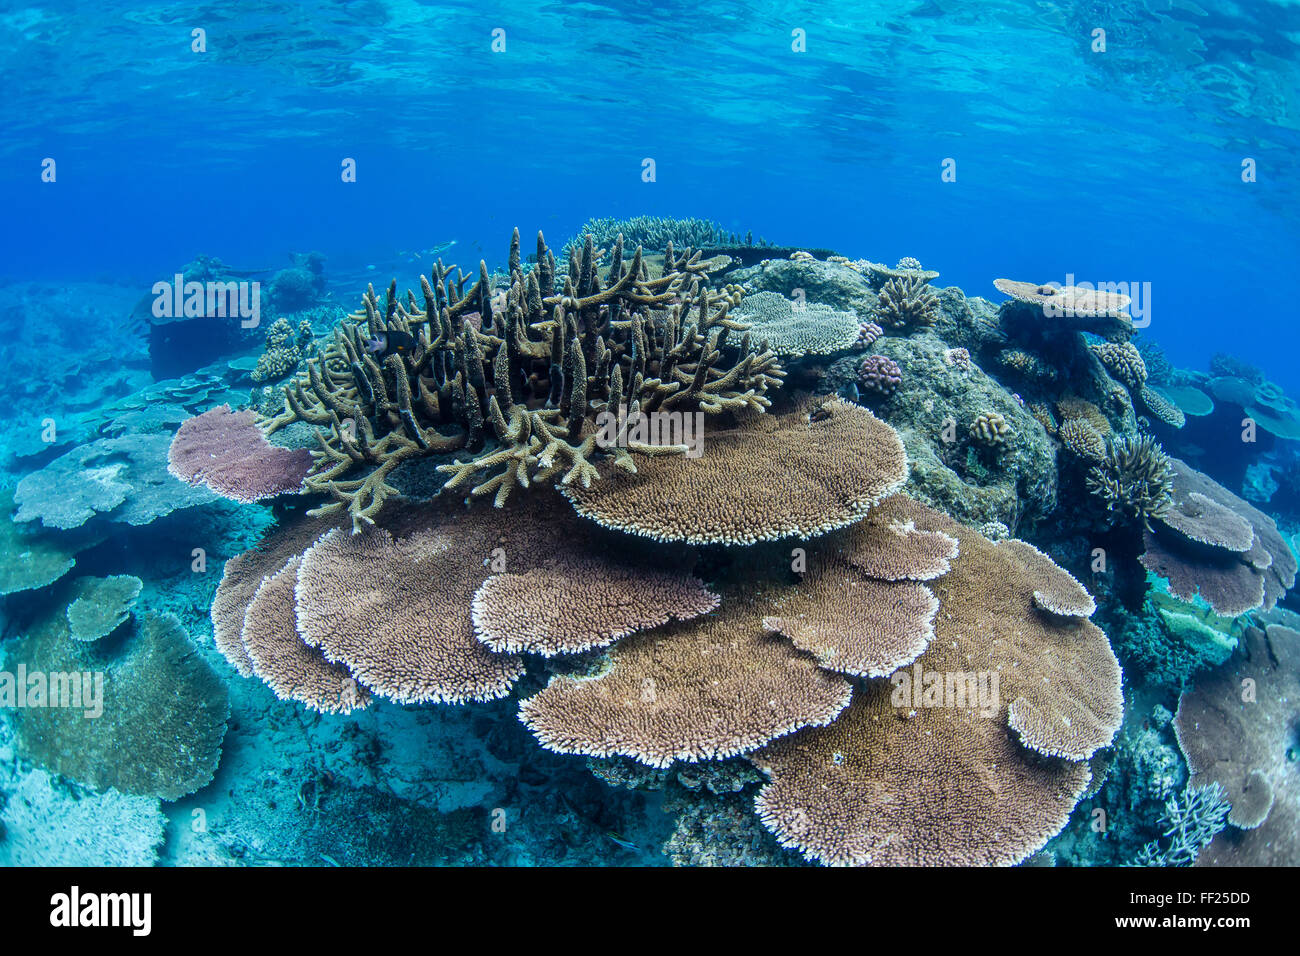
(518, 379)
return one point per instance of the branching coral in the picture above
(285, 348)
(518, 379)
(990, 430)
(1188, 825)
(907, 302)
(1133, 479)
(879, 374)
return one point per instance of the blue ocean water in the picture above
(1117, 166)
(1146, 142)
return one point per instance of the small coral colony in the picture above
(729, 500)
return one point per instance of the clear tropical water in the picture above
(1000, 139)
(1123, 165)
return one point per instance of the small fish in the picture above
(392, 342)
(625, 844)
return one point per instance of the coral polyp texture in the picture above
(848, 793)
(515, 380)
(227, 451)
(804, 472)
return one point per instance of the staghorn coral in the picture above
(101, 605)
(521, 390)
(907, 303)
(285, 349)
(700, 690)
(847, 793)
(1236, 727)
(228, 453)
(879, 374)
(990, 430)
(834, 459)
(1043, 414)
(279, 657)
(1133, 478)
(795, 328)
(1200, 547)
(1189, 824)
(581, 602)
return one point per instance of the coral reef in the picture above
(285, 349)
(1213, 544)
(879, 375)
(930, 408)
(1236, 728)
(522, 390)
(228, 453)
(797, 328)
(1134, 479)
